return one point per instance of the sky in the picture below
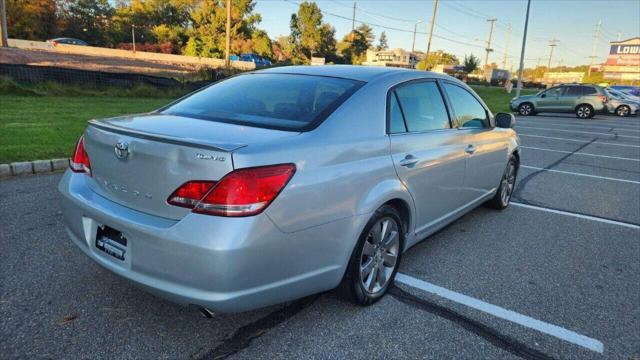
(461, 27)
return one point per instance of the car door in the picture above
(570, 98)
(485, 148)
(428, 154)
(550, 99)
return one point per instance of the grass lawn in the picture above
(497, 99)
(46, 127)
(35, 127)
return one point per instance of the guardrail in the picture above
(126, 54)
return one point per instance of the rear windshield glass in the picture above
(279, 101)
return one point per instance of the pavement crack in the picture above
(488, 333)
(243, 336)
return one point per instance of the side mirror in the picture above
(543, 95)
(505, 120)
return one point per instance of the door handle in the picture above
(409, 161)
(470, 149)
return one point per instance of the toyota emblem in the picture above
(122, 150)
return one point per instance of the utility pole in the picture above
(552, 44)
(415, 28)
(433, 21)
(228, 45)
(619, 36)
(353, 20)
(4, 41)
(595, 45)
(133, 37)
(489, 49)
(506, 47)
(524, 43)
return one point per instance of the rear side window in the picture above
(469, 113)
(396, 120)
(422, 106)
(574, 91)
(589, 90)
(278, 101)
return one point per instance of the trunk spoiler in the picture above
(199, 143)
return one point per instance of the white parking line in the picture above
(581, 153)
(605, 127)
(580, 174)
(581, 216)
(580, 141)
(502, 313)
(582, 132)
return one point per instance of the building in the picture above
(623, 62)
(394, 58)
(553, 78)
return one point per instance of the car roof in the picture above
(354, 72)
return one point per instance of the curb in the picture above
(33, 167)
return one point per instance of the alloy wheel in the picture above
(583, 112)
(508, 183)
(525, 109)
(379, 255)
(622, 111)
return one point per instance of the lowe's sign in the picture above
(624, 49)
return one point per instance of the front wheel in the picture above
(623, 110)
(584, 111)
(375, 259)
(507, 184)
(525, 109)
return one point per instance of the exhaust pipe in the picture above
(207, 313)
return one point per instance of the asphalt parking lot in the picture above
(556, 275)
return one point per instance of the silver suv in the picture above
(582, 99)
(277, 184)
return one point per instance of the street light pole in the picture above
(4, 41)
(524, 43)
(415, 28)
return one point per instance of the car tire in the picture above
(525, 109)
(375, 259)
(623, 110)
(584, 111)
(507, 186)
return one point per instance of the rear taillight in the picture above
(190, 193)
(80, 161)
(603, 98)
(242, 192)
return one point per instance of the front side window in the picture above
(554, 92)
(423, 106)
(469, 113)
(278, 101)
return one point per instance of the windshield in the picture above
(279, 101)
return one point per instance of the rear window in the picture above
(277, 101)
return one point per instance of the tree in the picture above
(353, 48)
(31, 20)
(367, 34)
(382, 42)
(310, 36)
(87, 20)
(470, 63)
(437, 58)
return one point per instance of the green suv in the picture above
(582, 99)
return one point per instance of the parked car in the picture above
(273, 185)
(631, 90)
(254, 58)
(621, 104)
(585, 100)
(67, 41)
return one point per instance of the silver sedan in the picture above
(277, 184)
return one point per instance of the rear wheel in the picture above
(525, 109)
(584, 111)
(623, 110)
(375, 259)
(507, 184)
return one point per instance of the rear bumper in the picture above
(224, 264)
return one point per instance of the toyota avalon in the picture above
(277, 184)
